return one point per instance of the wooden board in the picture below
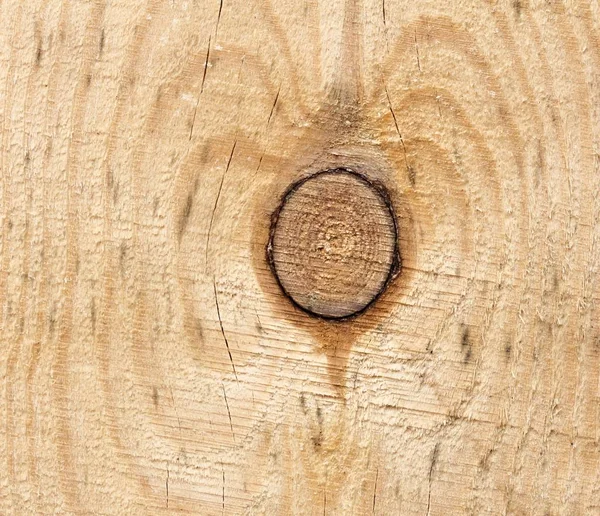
(150, 362)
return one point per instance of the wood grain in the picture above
(149, 362)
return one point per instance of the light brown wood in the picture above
(149, 361)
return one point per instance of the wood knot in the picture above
(333, 244)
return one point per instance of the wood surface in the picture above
(149, 361)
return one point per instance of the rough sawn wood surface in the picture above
(149, 362)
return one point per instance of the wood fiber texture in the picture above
(149, 362)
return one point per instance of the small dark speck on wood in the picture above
(38, 55)
(465, 344)
(187, 209)
(101, 42)
(518, 7)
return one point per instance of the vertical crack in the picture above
(375, 489)
(223, 331)
(228, 412)
(218, 18)
(223, 469)
(417, 51)
(205, 66)
(167, 485)
(212, 216)
(434, 457)
(408, 167)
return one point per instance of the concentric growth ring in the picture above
(333, 244)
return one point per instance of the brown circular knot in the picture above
(333, 244)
